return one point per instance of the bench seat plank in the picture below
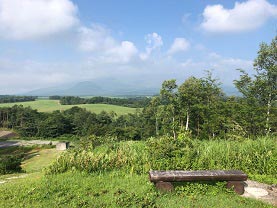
(200, 175)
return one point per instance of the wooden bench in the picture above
(163, 179)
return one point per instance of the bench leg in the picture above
(238, 186)
(164, 186)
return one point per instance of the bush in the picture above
(10, 164)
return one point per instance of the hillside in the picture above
(96, 179)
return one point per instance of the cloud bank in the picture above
(98, 41)
(29, 19)
(244, 16)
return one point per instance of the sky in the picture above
(47, 43)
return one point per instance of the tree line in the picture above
(13, 98)
(135, 102)
(75, 121)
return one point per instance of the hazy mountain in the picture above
(230, 90)
(111, 87)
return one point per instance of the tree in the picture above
(151, 116)
(190, 94)
(260, 91)
(170, 101)
(266, 67)
(212, 104)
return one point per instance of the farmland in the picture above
(44, 105)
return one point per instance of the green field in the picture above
(51, 105)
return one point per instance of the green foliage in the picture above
(254, 157)
(113, 189)
(134, 102)
(13, 99)
(196, 189)
(260, 92)
(269, 179)
(75, 121)
(126, 199)
(127, 156)
(10, 164)
(89, 143)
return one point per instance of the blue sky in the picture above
(46, 43)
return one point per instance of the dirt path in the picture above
(261, 191)
(7, 134)
(25, 143)
(4, 135)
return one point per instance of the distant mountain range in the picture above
(110, 87)
(97, 88)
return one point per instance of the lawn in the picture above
(110, 189)
(39, 159)
(43, 105)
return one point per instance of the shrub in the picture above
(10, 164)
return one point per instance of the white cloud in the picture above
(223, 68)
(28, 19)
(244, 16)
(123, 52)
(98, 40)
(95, 38)
(179, 45)
(154, 42)
(22, 76)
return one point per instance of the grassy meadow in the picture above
(45, 105)
(112, 175)
(110, 189)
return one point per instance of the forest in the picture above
(14, 99)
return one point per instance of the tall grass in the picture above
(254, 157)
(129, 156)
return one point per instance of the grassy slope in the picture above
(107, 190)
(50, 105)
(39, 160)
(104, 189)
